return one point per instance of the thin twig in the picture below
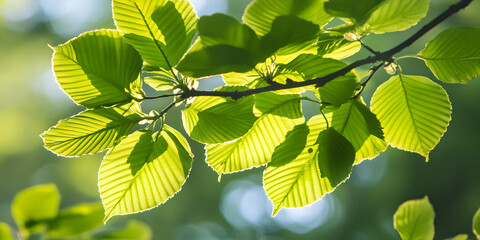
(163, 96)
(373, 70)
(386, 56)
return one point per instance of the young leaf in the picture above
(218, 120)
(98, 68)
(333, 45)
(288, 35)
(279, 115)
(414, 220)
(396, 15)
(5, 233)
(260, 14)
(239, 79)
(143, 171)
(454, 55)
(476, 224)
(75, 221)
(134, 230)
(161, 30)
(414, 112)
(361, 127)
(90, 131)
(323, 164)
(33, 207)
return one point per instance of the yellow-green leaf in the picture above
(33, 207)
(279, 115)
(414, 112)
(260, 14)
(143, 171)
(161, 30)
(218, 120)
(134, 230)
(75, 221)
(324, 163)
(454, 55)
(396, 15)
(98, 68)
(90, 131)
(476, 224)
(414, 220)
(5, 233)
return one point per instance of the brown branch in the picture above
(386, 56)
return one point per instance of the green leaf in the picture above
(414, 112)
(460, 237)
(218, 120)
(98, 68)
(279, 115)
(324, 162)
(260, 14)
(361, 127)
(160, 30)
(294, 143)
(5, 233)
(335, 92)
(214, 60)
(134, 230)
(454, 55)
(75, 221)
(143, 171)
(33, 207)
(476, 224)
(396, 15)
(90, 131)
(414, 220)
(358, 11)
(288, 34)
(218, 29)
(333, 45)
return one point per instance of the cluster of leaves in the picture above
(414, 220)
(36, 214)
(281, 51)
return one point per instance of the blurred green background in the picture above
(237, 207)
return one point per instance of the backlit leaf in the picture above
(76, 221)
(476, 224)
(396, 15)
(332, 45)
(217, 119)
(308, 66)
(260, 14)
(324, 163)
(288, 34)
(414, 220)
(33, 207)
(98, 68)
(5, 233)
(358, 11)
(90, 131)
(361, 127)
(134, 230)
(143, 171)
(414, 112)
(279, 115)
(454, 55)
(160, 30)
